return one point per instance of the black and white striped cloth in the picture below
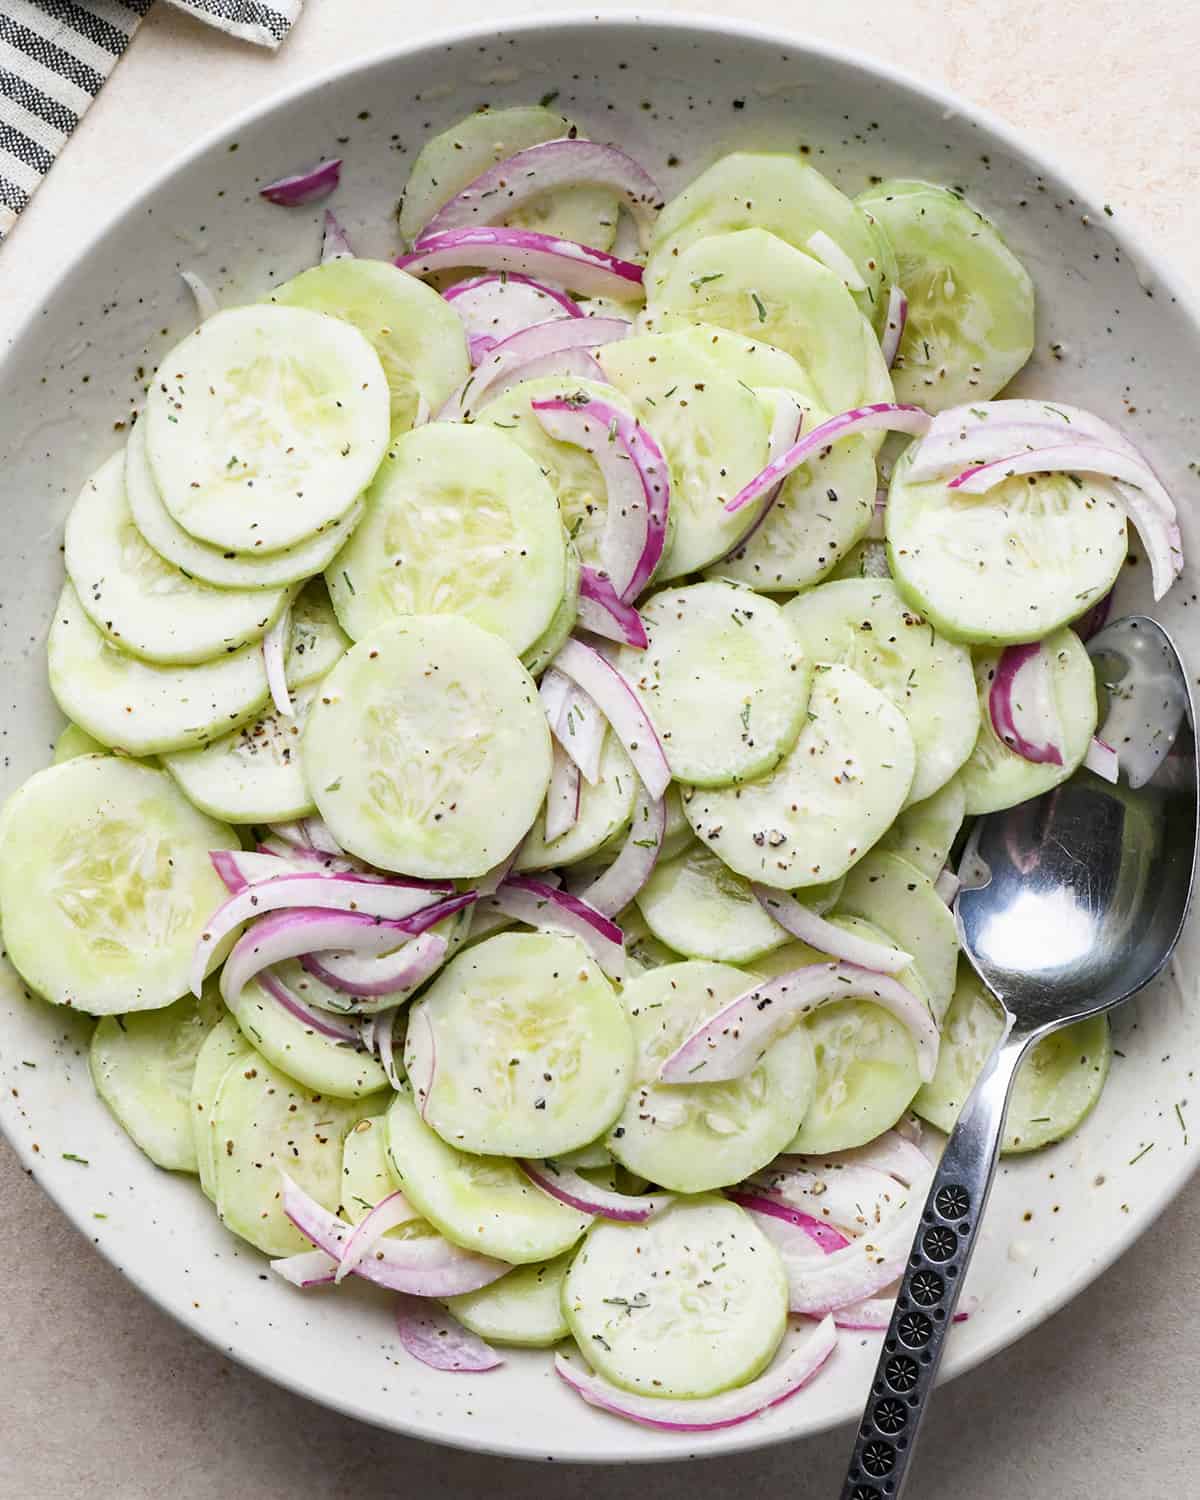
(55, 56)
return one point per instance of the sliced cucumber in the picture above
(867, 625)
(605, 810)
(697, 1136)
(265, 425)
(1057, 1084)
(218, 565)
(750, 360)
(265, 1124)
(678, 833)
(367, 1176)
(699, 907)
(996, 776)
(317, 640)
(448, 162)
(723, 680)
(713, 431)
(924, 833)
(524, 1308)
(106, 884)
(459, 521)
(898, 899)
(142, 1067)
(520, 1047)
(74, 741)
(643, 951)
(780, 193)
(970, 321)
(832, 796)
(418, 337)
(1012, 565)
(756, 284)
(867, 559)
(483, 1203)
(138, 707)
(146, 606)
(318, 1062)
(223, 1048)
(427, 750)
(692, 1302)
(536, 658)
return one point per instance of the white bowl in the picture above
(1114, 334)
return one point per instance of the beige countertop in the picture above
(104, 1397)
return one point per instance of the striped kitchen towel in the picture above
(56, 54)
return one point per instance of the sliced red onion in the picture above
(366, 977)
(206, 303)
(308, 1268)
(545, 257)
(388, 1213)
(786, 427)
(428, 1266)
(1022, 706)
(496, 306)
(888, 416)
(575, 722)
(295, 856)
(893, 325)
(558, 364)
(877, 526)
(636, 480)
(621, 707)
(304, 187)
(513, 360)
(239, 869)
(540, 905)
(801, 1354)
(1096, 618)
(1161, 538)
(436, 1337)
(571, 162)
(1083, 456)
(335, 243)
(308, 833)
(732, 1041)
(488, 884)
(562, 796)
(893, 1153)
(275, 647)
(577, 1192)
(824, 1236)
(602, 611)
(825, 248)
(1102, 759)
(615, 889)
(909, 1128)
(319, 1021)
(806, 924)
(871, 1315)
(384, 1043)
(947, 885)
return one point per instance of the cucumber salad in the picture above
(525, 699)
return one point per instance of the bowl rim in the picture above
(1148, 257)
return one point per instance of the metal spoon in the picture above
(1070, 904)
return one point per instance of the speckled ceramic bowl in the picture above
(1112, 336)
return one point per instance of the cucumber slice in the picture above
(713, 431)
(696, 1136)
(723, 680)
(318, 642)
(1057, 1084)
(749, 360)
(265, 1123)
(521, 1048)
(146, 606)
(536, 658)
(265, 425)
(318, 1062)
(678, 833)
(778, 192)
(218, 565)
(223, 1048)
(699, 907)
(996, 776)
(74, 741)
(418, 337)
(605, 811)
(483, 1203)
(142, 1067)
(448, 162)
(459, 521)
(140, 708)
(832, 796)
(643, 951)
(523, 1308)
(427, 750)
(970, 321)
(692, 1302)
(866, 625)
(867, 559)
(367, 1176)
(1011, 565)
(756, 284)
(924, 833)
(900, 901)
(106, 884)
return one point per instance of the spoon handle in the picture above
(925, 1303)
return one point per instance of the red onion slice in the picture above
(239, 869)
(1162, 539)
(335, 243)
(636, 481)
(366, 976)
(531, 352)
(494, 307)
(854, 1197)
(1096, 618)
(893, 1153)
(557, 364)
(575, 722)
(541, 905)
(802, 922)
(294, 856)
(577, 1192)
(508, 186)
(824, 1236)
(385, 1045)
(388, 1213)
(622, 708)
(319, 1021)
(801, 1354)
(308, 1268)
(206, 303)
(615, 889)
(545, 257)
(562, 796)
(602, 611)
(893, 325)
(304, 187)
(890, 416)
(786, 427)
(1022, 707)
(309, 833)
(436, 1337)
(274, 649)
(1084, 456)
(825, 248)
(1102, 759)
